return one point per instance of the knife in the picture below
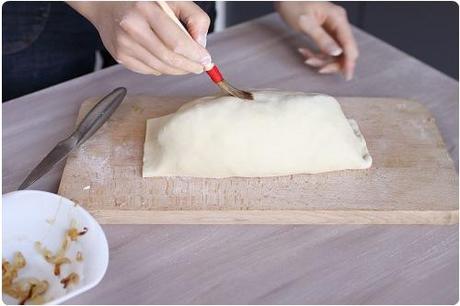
(95, 118)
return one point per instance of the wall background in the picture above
(425, 30)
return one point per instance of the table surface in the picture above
(203, 264)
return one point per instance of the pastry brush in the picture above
(212, 70)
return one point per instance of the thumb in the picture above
(195, 19)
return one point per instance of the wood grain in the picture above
(412, 180)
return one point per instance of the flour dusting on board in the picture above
(419, 126)
(94, 163)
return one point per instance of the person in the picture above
(140, 36)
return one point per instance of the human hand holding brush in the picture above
(149, 38)
(144, 39)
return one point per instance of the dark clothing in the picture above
(46, 43)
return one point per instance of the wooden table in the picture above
(255, 263)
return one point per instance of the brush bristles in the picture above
(235, 91)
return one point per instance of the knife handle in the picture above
(99, 114)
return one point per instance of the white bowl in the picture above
(30, 216)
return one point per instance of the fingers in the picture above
(139, 30)
(325, 64)
(309, 25)
(138, 52)
(315, 59)
(129, 53)
(333, 67)
(350, 54)
(138, 66)
(196, 21)
(334, 37)
(337, 24)
(172, 36)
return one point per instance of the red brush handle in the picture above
(215, 74)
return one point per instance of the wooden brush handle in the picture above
(169, 12)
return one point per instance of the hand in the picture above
(140, 36)
(328, 27)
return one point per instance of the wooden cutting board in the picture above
(412, 179)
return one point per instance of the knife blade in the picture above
(95, 118)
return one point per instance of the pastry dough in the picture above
(279, 133)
